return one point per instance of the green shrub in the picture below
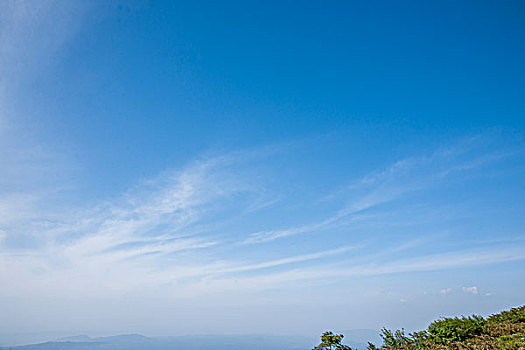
(503, 331)
(395, 340)
(514, 315)
(419, 339)
(455, 329)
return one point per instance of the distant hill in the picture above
(355, 338)
(502, 331)
(77, 339)
(197, 342)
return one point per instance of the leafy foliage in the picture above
(331, 341)
(514, 315)
(396, 339)
(371, 346)
(448, 330)
(503, 331)
(419, 339)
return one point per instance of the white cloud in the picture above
(396, 181)
(446, 291)
(472, 290)
(288, 260)
(342, 270)
(128, 236)
(153, 232)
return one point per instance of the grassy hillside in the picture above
(503, 331)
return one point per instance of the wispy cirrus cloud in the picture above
(180, 238)
(287, 260)
(140, 233)
(160, 229)
(125, 236)
(355, 272)
(400, 179)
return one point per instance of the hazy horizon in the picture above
(357, 339)
(182, 167)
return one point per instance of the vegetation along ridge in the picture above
(502, 331)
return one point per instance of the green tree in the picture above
(395, 340)
(331, 341)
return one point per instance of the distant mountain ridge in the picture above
(191, 342)
(77, 339)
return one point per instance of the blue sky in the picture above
(259, 167)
